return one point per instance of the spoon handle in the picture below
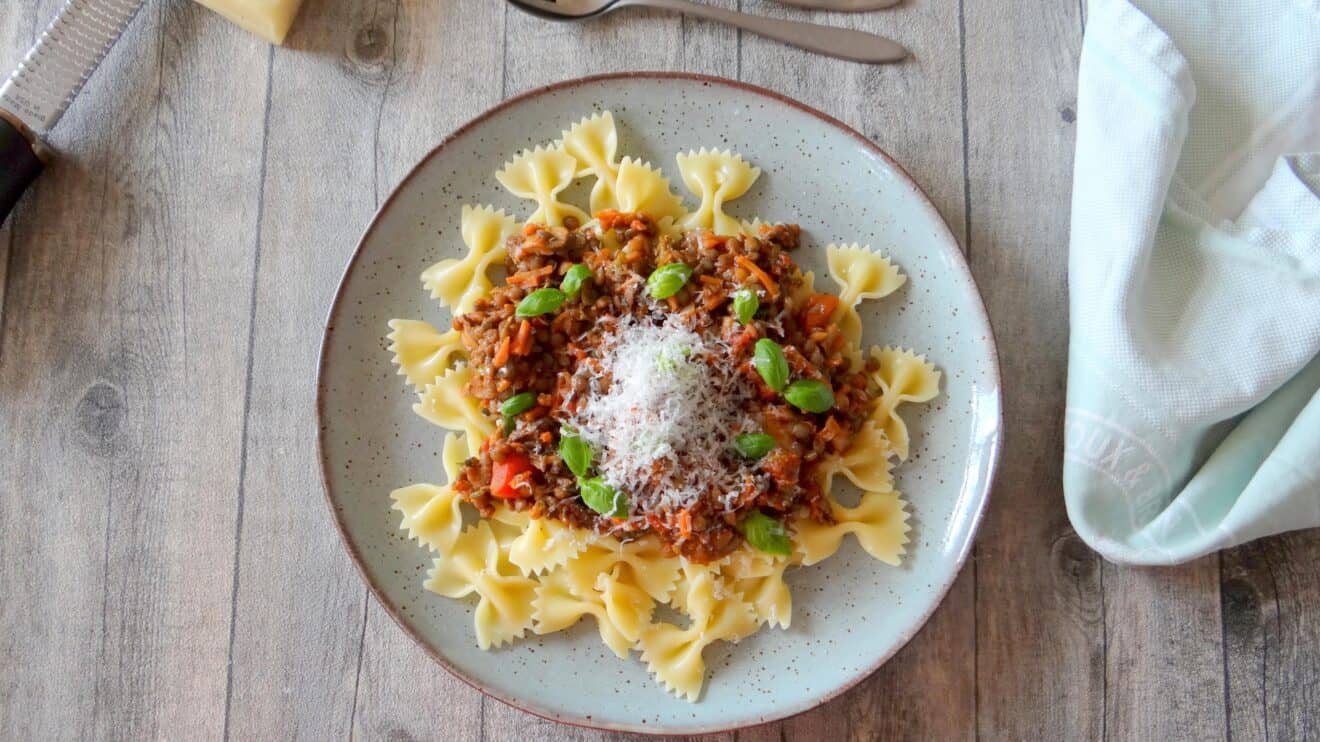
(844, 43)
(843, 6)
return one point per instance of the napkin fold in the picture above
(1193, 419)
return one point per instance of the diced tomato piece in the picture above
(820, 308)
(503, 472)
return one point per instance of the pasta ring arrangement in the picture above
(651, 409)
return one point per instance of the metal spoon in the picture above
(843, 43)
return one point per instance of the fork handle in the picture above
(844, 43)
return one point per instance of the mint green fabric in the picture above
(1193, 419)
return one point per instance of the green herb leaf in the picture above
(810, 395)
(575, 452)
(766, 533)
(753, 445)
(768, 358)
(668, 280)
(518, 404)
(573, 280)
(539, 302)
(745, 305)
(603, 498)
(670, 356)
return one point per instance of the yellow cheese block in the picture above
(269, 19)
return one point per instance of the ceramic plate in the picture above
(851, 612)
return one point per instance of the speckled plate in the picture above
(850, 613)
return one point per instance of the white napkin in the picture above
(1193, 418)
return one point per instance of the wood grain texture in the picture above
(400, 688)
(161, 294)
(1040, 621)
(1271, 643)
(1165, 667)
(122, 380)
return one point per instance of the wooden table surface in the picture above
(168, 566)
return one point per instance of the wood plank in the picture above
(400, 688)
(1040, 617)
(298, 614)
(392, 87)
(1164, 667)
(122, 366)
(913, 111)
(1271, 617)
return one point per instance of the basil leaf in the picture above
(518, 404)
(753, 445)
(810, 395)
(575, 452)
(745, 305)
(766, 533)
(603, 498)
(668, 280)
(573, 280)
(539, 302)
(768, 358)
(670, 356)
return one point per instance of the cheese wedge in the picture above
(269, 19)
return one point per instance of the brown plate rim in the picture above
(586, 722)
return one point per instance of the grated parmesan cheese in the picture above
(662, 419)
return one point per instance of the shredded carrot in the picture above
(769, 283)
(673, 303)
(523, 344)
(546, 437)
(712, 241)
(531, 277)
(530, 230)
(502, 355)
(685, 523)
(710, 281)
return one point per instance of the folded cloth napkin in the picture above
(1193, 418)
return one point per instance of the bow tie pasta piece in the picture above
(758, 578)
(421, 352)
(861, 274)
(717, 177)
(645, 566)
(903, 377)
(432, 515)
(769, 598)
(458, 282)
(446, 403)
(879, 522)
(556, 607)
(474, 566)
(867, 463)
(753, 227)
(544, 544)
(594, 143)
(673, 655)
(539, 175)
(642, 188)
(628, 606)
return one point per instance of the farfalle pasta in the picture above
(651, 408)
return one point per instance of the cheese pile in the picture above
(269, 19)
(664, 424)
